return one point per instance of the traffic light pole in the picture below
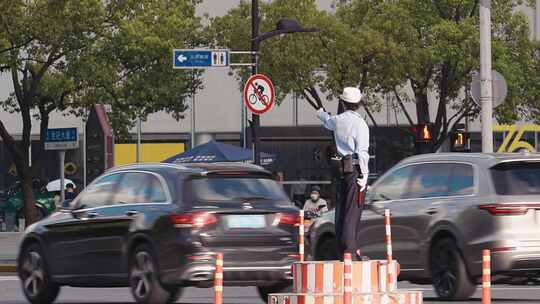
(255, 123)
(139, 133)
(62, 157)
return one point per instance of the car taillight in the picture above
(503, 249)
(287, 219)
(508, 209)
(193, 220)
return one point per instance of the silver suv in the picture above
(445, 209)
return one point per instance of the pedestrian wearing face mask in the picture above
(315, 203)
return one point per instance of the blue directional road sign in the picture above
(62, 139)
(200, 58)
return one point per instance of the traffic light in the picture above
(423, 137)
(460, 141)
(422, 132)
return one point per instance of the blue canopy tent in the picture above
(215, 152)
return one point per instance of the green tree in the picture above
(421, 52)
(347, 51)
(67, 55)
(294, 62)
(437, 48)
(130, 66)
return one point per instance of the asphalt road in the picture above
(10, 292)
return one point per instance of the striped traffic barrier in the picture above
(387, 277)
(391, 277)
(218, 280)
(301, 236)
(318, 277)
(365, 276)
(347, 278)
(327, 276)
(397, 297)
(486, 277)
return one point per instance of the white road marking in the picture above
(480, 287)
(516, 288)
(8, 278)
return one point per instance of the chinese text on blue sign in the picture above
(192, 59)
(62, 139)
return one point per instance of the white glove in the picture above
(362, 182)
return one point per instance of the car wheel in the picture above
(449, 274)
(264, 291)
(327, 250)
(144, 278)
(34, 274)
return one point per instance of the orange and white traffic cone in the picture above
(486, 277)
(347, 278)
(301, 236)
(388, 239)
(218, 280)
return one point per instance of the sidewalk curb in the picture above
(8, 268)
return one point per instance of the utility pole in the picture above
(62, 157)
(255, 119)
(192, 121)
(192, 112)
(486, 85)
(139, 134)
(243, 122)
(83, 141)
(537, 20)
(284, 26)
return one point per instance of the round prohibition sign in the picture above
(259, 94)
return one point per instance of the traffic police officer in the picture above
(351, 134)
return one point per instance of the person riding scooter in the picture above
(315, 204)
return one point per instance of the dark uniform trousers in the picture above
(348, 214)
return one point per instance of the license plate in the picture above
(246, 221)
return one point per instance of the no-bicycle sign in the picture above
(259, 94)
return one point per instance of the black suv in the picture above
(157, 228)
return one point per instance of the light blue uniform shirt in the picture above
(351, 134)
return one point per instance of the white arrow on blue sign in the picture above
(200, 58)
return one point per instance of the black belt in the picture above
(355, 160)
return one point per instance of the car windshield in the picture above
(235, 189)
(517, 178)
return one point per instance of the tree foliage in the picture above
(438, 49)
(415, 51)
(68, 55)
(294, 61)
(130, 65)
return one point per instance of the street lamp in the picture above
(284, 26)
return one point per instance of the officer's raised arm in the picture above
(328, 120)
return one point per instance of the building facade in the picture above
(221, 94)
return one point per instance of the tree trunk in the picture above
(43, 126)
(30, 210)
(422, 112)
(422, 107)
(19, 154)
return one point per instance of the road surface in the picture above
(10, 293)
